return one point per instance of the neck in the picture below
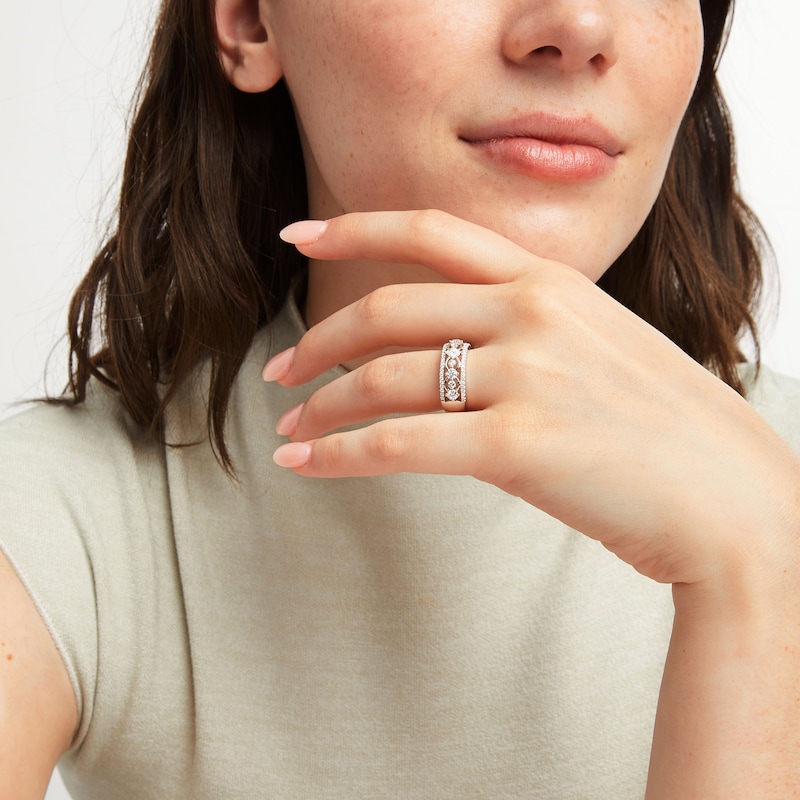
(332, 285)
(335, 284)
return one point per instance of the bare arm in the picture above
(38, 712)
(727, 722)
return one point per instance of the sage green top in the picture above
(281, 637)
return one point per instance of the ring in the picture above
(453, 375)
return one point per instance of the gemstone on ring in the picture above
(453, 375)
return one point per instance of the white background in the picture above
(68, 71)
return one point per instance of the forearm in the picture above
(728, 722)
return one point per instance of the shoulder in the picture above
(776, 397)
(99, 426)
(83, 502)
(58, 459)
(48, 449)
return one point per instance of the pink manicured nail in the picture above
(279, 366)
(287, 424)
(292, 455)
(306, 231)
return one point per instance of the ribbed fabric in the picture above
(398, 637)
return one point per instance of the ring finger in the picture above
(403, 383)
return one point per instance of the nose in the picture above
(569, 35)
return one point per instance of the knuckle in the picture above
(429, 223)
(329, 455)
(387, 444)
(310, 418)
(373, 309)
(310, 343)
(516, 436)
(493, 433)
(537, 305)
(376, 380)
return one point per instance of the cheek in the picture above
(668, 58)
(354, 62)
(675, 47)
(361, 82)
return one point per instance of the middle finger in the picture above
(410, 316)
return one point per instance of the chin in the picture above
(589, 249)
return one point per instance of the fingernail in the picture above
(287, 424)
(292, 455)
(279, 366)
(306, 231)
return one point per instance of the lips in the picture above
(547, 147)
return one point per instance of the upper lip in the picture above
(547, 127)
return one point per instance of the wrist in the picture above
(751, 556)
(752, 587)
(728, 710)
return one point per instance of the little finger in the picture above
(433, 444)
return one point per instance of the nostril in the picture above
(547, 49)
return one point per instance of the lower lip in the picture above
(535, 158)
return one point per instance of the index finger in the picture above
(460, 251)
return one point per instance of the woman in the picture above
(222, 626)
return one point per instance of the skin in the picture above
(344, 59)
(575, 404)
(38, 714)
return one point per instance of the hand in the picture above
(574, 403)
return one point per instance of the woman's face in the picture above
(549, 121)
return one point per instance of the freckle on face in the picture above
(344, 58)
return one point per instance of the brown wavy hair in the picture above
(194, 268)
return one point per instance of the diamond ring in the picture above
(453, 375)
